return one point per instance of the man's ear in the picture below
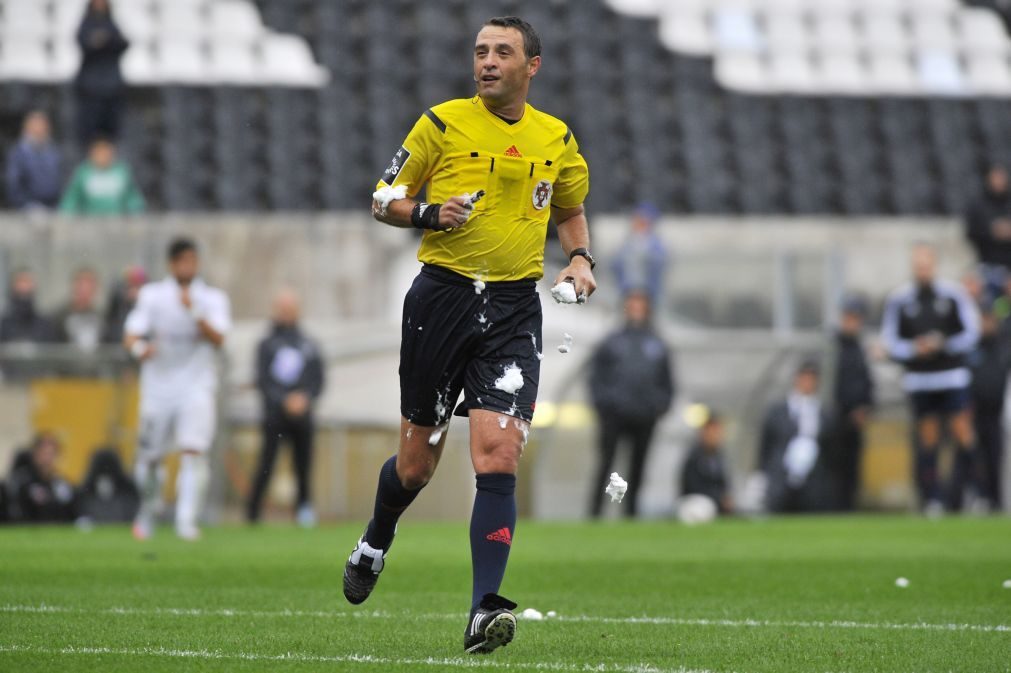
(533, 65)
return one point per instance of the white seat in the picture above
(25, 58)
(784, 6)
(235, 20)
(884, 32)
(981, 30)
(940, 72)
(932, 30)
(66, 60)
(843, 73)
(180, 19)
(641, 8)
(988, 75)
(686, 33)
(181, 61)
(234, 63)
(891, 75)
(138, 64)
(735, 29)
(288, 61)
(137, 20)
(786, 32)
(25, 17)
(835, 31)
(792, 73)
(742, 71)
(930, 5)
(67, 15)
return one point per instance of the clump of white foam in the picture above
(479, 285)
(566, 344)
(511, 380)
(503, 422)
(482, 318)
(436, 435)
(1006, 584)
(522, 427)
(533, 340)
(551, 613)
(531, 614)
(387, 195)
(902, 583)
(616, 487)
(564, 293)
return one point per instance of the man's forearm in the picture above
(574, 233)
(397, 214)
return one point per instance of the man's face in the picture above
(501, 67)
(806, 383)
(286, 309)
(37, 128)
(989, 323)
(102, 154)
(997, 180)
(84, 290)
(44, 456)
(23, 285)
(924, 265)
(637, 308)
(712, 436)
(185, 266)
(851, 323)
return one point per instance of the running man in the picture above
(931, 326)
(174, 331)
(497, 170)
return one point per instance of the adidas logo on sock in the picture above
(501, 535)
(513, 152)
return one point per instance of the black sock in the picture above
(926, 474)
(491, 532)
(391, 501)
(966, 471)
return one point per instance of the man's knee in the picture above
(499, 457)
(414, 474)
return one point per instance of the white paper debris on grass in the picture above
(511, 380)
(564, 293)
(902, 582)
(566, 344)
(616, 487)
(1007, 584)
(531, 614)
(387, 195)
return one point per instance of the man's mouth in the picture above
(489, 78)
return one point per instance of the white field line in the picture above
(441, 663)
(589, 619)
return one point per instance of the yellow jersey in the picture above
(460, 147)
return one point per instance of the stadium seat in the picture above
(24, 18)
(792, 73)
(834, 32)
(884, 33)
(892, 74)
(67, 16)
(138, 64)
(939, 72)
(686, 32)
(235, 21)
(735, 29)
(981, 31)
(842, 73)
(66, 60)
(932, 30)
(137, 20)
(743, 72)
(180, 62)
(181, 19)
(233, 62)
(787, 31)
(25, 57)
(989, 75)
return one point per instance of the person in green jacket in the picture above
(102, 185)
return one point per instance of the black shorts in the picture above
(456, 339)
(940, 402)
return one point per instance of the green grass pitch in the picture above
(798, 595)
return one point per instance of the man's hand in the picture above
(929, 344)
(454, 213)
(859, 416)
(1001, 229)
(296, 404)
(581, 275)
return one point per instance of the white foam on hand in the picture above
(566, 344)
(564, 293)
(387, 195)
(616, 487)
(511, 380)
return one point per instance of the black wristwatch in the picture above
(583, 252)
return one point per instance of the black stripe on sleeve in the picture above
(568, 136)
(441, 125)
(492, 169)
(473, 155)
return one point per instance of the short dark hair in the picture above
(179, 246)
(531, 40)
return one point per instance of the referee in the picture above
(931, 326)
(497, 170)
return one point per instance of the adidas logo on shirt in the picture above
(513, 152)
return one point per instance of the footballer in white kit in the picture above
(175, 330)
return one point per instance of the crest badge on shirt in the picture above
(542, 194)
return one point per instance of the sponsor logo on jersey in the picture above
(513, 152)
(396, 165)
(542, 194)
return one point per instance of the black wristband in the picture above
(426, 216)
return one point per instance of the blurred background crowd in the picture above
(761, 171)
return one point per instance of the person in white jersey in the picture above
(174, 331)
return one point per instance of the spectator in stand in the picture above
(122, 299)
(99, 85)
(854, 398)
(641, 262)
(991, 363)
(704, 471)
(102, 185)
(80, 323)
(43, 496)
(795, 452)
(632, 386)
(988, 228)
(289, 375)
(21, 322)
(34, 166)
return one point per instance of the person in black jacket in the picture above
(99, 85)
(289, 376)
(704, 472)
(796, 451)
(632, 386)
(988, 228)
(43, 496)
(991, 363)
(854, 398)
